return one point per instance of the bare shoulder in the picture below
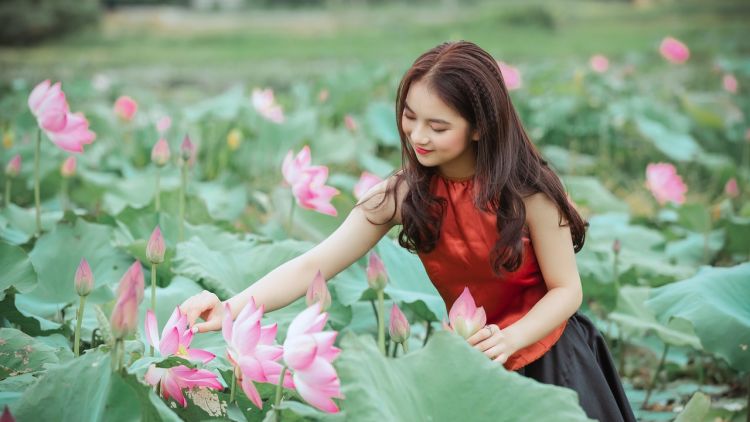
(382, 203)
(541, 211)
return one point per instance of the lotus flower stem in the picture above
(153, 298)
(381, 322)
(405, 346)
(234, 385)
(277, 399)
(656, 374)
(37, 201)
(157, 199)
(79, 321)
(427, 335)
(64, 193)
(7, 192)
(395, 349)
(183, 189)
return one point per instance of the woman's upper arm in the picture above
(552, 243)
(357, 234)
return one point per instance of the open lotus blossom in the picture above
(69, 131)
(730, 83)
(294, 165)
(265, 104)
(174, 380)
(251, 349)
(377, 277)
(125, 108)
(68, 167)
(665, 184)
(160, 152)
(175, 337)
(308, 352)
(311, 192)
(599, 63)
(674, 50)
(84, 278)
(318, 292)
(511, 75)
(366, 181)
(398, 327)
(163, 124)
(731, 188)
(465, 318)
(13, 168)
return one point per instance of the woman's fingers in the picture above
(480, 335)
(199, 305)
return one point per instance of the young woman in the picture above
(481, 208)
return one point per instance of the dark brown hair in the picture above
(508, 165)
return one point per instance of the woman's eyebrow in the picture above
(439, 121)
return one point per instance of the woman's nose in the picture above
(418, 134)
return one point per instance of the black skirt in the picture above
(581, 361)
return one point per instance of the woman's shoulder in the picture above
(382, 203)
(541, 210)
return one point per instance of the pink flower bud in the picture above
(377, 277)
(125, 314)
(731, 188)
(599, 63)
(84, 279)
(616, 246)
(68, 167)
(350, 123)
(163, 124)
(318, 292)
(133, 276)
(13, 168)
(155, 247)
(674, 50)
(125, 108)
(187, 150)
(160, 152)
(399, 327)
(730, 83)
(323, 95)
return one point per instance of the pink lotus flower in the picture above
(377, 277)
(155, 248)
(68, 167)
(674, 51)
(175, 337)
(7, 416)
(251, 349)
(511, 75)
(731, 188)
(318, 292)
(599, 63)
(174, 379)
(69, 131)
(293, 166)
(13, 169)
(163, 124)
(665, 184)
(465, 318)
(160, 152)
(312, 193)
(75, 135)
(308, 352)
(132, 277)
(366, 181)
(84, 278)
(399, 327)
(730, 83)
(125, 108)
(125, 314)
(265, 104)
(350, 123)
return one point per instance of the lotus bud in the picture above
(163, 124)
(465, 318)
(318, 292)
(377, 278)
(350, 123)
(155, 247)
(125, 314)
(187, 150)
(13, 169)
(133, 276)
(68, 167)
(160, 152)
(731, 188)
(84, 279)
(616, 246)
(125, 108)
(399, 327)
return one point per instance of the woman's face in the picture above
(438, 135)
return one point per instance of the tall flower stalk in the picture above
(155, 254)
(12, 170)
(159, 156)
(37, 200)
(377, 279)
(67, 171)
(84, 284)
(187, 158)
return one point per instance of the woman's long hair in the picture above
(508, 165)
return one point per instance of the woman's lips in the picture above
(421, 151)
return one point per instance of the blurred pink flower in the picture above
(132, 277)
(398, 327)
(511, 75)
(160, 152)
(465, 318)
(175, 337)
(730, 83)
(251, 349)
(308, 352)
(13, 168)
(75, 135)
(377, 277)
(174, 380)
(163, 124)
(293, 166)
(323, 95)
(731, 188)
(125, 108)
(187, 151)
(311, 192)
(68, 167)
(366, 181)
(125, 314)
(155, 247)
(318, 292)
(665, 184)
(674, 50)
(69, 131)
(84, 279)
(350, 123)
(265, 104)
(599, 63)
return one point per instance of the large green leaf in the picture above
(674, 144)
(16, 269)
(381, 123)
(589, 192)
(715, 302)
(421, 386)
(695, 409)
(21, 353)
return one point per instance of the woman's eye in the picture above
(439, 130)
(409, 117)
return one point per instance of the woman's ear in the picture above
(475, 135)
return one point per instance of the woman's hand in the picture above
(208, 307)
(495, 343)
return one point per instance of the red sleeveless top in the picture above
(462, 258)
